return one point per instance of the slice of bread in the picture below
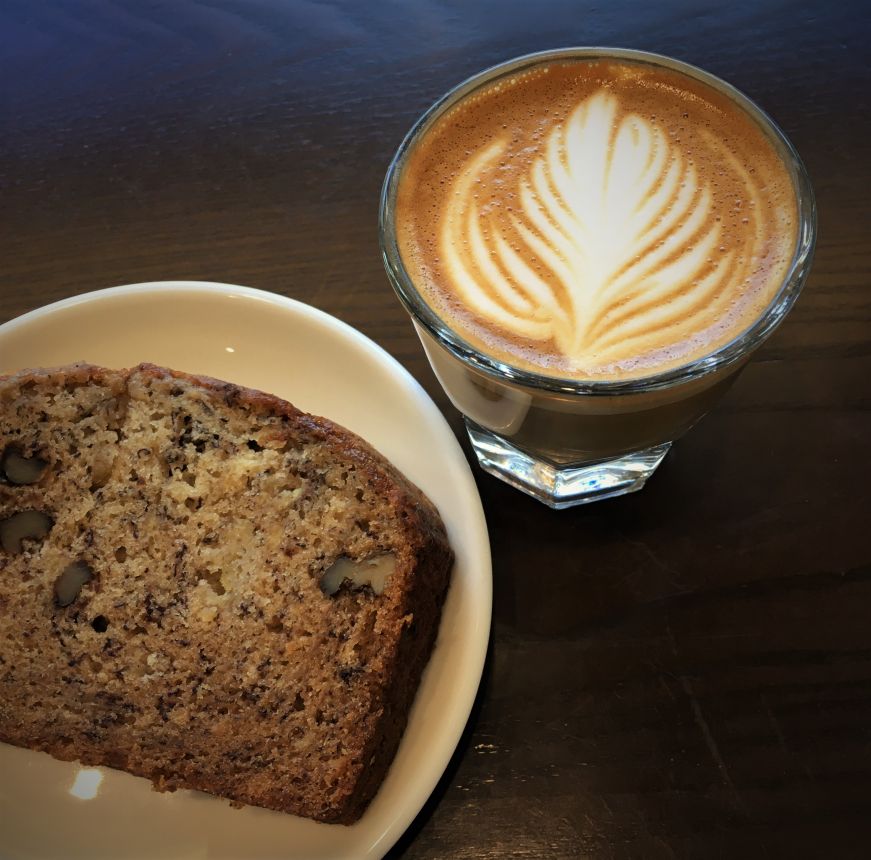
(202, 585)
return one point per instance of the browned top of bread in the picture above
(189, 601)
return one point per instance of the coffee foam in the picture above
(596, 219)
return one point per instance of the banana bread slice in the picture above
(202, 585)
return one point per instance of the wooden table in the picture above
(685, 672)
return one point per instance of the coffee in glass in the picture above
(591, 243)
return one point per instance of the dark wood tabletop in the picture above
(684, 672)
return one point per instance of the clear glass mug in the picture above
(568, 441)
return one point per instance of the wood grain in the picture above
(681, 673)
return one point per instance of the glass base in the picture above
(563, 486)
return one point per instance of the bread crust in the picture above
(225, 667)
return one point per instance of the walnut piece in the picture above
(18, 469)
(34, 525)
(372, 572)
(68, 585)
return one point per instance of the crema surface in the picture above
(596, 219)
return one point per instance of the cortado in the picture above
(596, 218)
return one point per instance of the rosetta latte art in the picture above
(610, 237)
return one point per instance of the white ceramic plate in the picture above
(323, 366)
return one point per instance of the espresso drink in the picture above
(602, 219)
(591, 244)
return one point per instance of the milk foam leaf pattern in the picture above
(610, 238)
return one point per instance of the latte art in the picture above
(603, 237)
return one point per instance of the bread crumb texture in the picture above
(170, 617)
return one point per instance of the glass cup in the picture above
(567, 441)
